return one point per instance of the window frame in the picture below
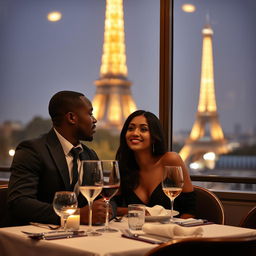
(166, 69)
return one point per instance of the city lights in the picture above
(195, 165)
(209, 156)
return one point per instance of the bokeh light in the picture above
(11, 152)
(188, 8)
(54, 16)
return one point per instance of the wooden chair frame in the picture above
(207, 246)
(3, 205)
(249, 220)
(211, 208)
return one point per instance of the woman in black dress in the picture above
(142, 156)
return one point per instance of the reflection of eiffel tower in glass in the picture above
(113, 101)
(206, 134)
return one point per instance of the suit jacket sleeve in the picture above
(23, 203)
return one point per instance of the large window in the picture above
(214, 88)
(40, 57)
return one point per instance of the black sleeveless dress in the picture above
(184, 203)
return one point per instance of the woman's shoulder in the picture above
(171, 158)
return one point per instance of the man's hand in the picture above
(98, 212)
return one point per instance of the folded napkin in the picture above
(171, 230)
(157, 210)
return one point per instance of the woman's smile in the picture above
(135, 140)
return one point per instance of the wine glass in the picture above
(172, 184)
(65, 204)
(111, 183)
(91, 186)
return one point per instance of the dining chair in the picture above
(208, 206)
(207, 246)
(3, 205)
(249, 220)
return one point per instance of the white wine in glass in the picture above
(91, 186)
(65, 204)
(111, 183)
(172, 183)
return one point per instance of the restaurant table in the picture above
(14, 243)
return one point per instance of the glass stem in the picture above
(65, 223)
(107, 214)
(172, 201)
(90, 216)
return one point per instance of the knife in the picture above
(52, 237)
(142, 239)
(193, 223)
(56, 235)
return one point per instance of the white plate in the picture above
(161, 217)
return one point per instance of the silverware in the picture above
(193, 222)
(43, 233)
(55, 234)
(52, 237)
(142, 237)
(41, 225)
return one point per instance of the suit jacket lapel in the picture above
(58, 156)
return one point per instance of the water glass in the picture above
(65, 204)
(136, 216)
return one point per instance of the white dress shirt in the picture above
(67, 146)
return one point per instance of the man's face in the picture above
(85, 126)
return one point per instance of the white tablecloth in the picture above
(14, 243)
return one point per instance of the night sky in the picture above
(39, 58)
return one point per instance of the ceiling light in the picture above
(54, 16)
(188, 7)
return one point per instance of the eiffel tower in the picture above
(206, 134)
(113, 101)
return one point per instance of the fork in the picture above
(43, 233)
(55, 234)
(41, 225)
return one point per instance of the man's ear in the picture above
(71, 117)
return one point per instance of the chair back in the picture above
(208, 206)
(207, 246)
(3, 205)
(249, 220)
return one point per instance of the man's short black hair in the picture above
(61, 103)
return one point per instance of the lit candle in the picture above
(73, 222)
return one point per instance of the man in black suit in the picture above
(44, 165)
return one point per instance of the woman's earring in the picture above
(153, 148)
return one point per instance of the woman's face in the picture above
(137, 135)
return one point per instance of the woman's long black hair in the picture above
(129, 169)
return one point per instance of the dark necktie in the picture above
(75, 153)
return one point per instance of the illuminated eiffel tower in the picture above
(113, 101)
(206, 134)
